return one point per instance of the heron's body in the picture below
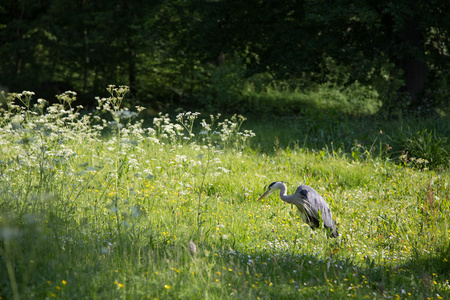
(309, 203)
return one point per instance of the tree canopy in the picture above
(169, 51)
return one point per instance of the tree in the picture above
(164, 49)
(298, 38)
(20, 41)
(411, 42)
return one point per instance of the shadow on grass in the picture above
(354, 137)
(52, 255)
(294, 276)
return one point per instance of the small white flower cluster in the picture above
(56, 147)
(213, 133)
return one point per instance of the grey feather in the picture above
(310, 204)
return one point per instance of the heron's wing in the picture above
(307, 206)
(315, 203)
(308, 217)
(312, 199)
(327, 219)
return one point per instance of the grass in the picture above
(355, 100)
(169, 211)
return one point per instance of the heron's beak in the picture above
(264, 195)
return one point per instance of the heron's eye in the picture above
(271, 185)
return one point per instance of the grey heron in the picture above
(309, 203)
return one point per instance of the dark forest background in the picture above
(230, 55)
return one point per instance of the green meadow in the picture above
(102, 205)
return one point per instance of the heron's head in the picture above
(277, 185)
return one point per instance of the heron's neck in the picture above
(284, 197)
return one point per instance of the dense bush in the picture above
(423, 148)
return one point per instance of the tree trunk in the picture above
(410, 42)
(132, 70)
(86, 62)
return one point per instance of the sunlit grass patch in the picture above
(100, 207)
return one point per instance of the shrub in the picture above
(421, 149)
(223, 92)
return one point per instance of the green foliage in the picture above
(435, 100)
(369, 52)
(422, 149)
(169, 211)
(354, 100)
(224, 91)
